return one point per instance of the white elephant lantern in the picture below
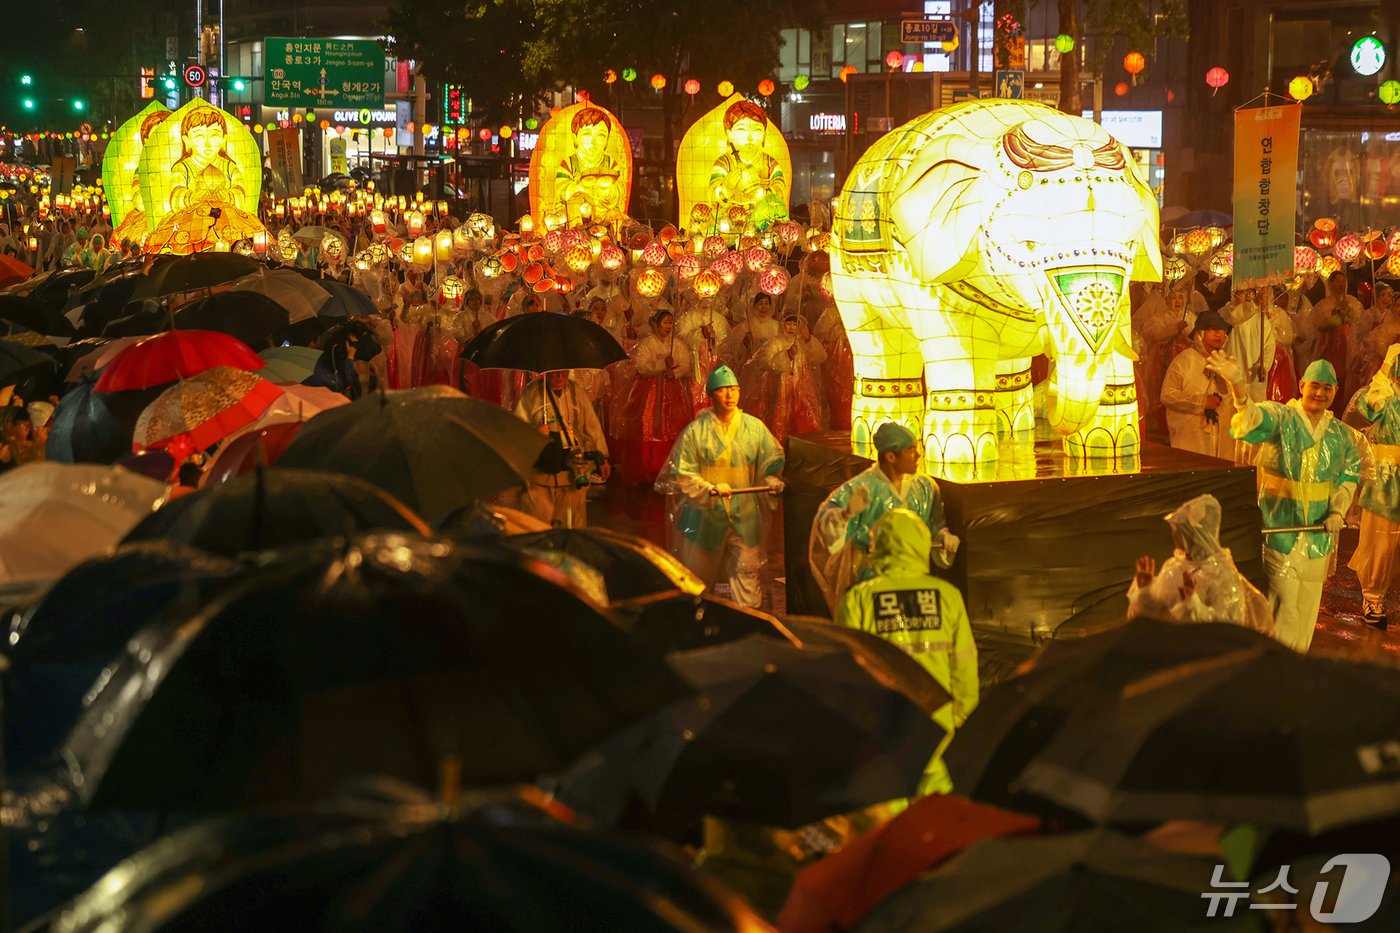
(974, 238)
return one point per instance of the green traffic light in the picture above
(26, 79)
(239, 84)
(79, 105)
(29, 103)
(169, 83)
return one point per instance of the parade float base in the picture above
(1048, 546)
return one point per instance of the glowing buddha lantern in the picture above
(582, 156)
(121, 162)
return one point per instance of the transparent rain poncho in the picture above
(1218, 591)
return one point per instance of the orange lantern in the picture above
(766, 87)
(578, 259)
(707, 284)
(1133, 63)
(658, 81)
(650, 283)
(846, 73)
(533, 273)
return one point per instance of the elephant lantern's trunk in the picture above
(1081, 323)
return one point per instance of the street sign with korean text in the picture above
(319, 72)
(927, 30)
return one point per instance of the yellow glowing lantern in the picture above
(198, 158)
(1197, 242)
(1174, 269)
(442, 245)
(658, 81)
(578, 259)
(121, 162)
(1301, 88)
(707, 284)
(332, 246)
(422, 252)
(1222, 264)
(650, 283)
(1217, 237)
(1392, 265)
(1328, 265)
(583, 156)
(726, 88)
(452, 289)
(414, 221)
(491, 267)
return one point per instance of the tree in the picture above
(1138, 23)
(478, 44)
(735, 40)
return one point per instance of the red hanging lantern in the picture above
(692, 87)
(894, 59)
(1217, 77)
(766, 87)
(1133, 63)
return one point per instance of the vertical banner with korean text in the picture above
(1266, 188)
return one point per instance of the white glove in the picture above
(1229, 370)
(1334, 522)
(859, 501)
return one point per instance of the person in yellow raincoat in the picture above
(923, 616)
(723, 449)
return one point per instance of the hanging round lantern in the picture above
(578, 259)
(1328, 265)
(611, 258)
(532, 123)
(506, 132)
(692, 87)
(773, 281)
(726, 88)
(951, 45)
(757, 258)
(846, 73)
(1348, 248)
(895, 58)
(1121, 88)
(629, 74)
(1301, 88)
(1217, 77)
(1064, 43)
(1304, 259)
(687, 266)
(484, 135)
(1174, 269)
(707, 284)
(654, 254)
(1133, 63)
(658, 81)
(650, 283)
(1389, 93)
(766, 87)
(800, 82)
(610, 77)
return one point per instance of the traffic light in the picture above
(168, 82)
(79, 105)
(26, 80)
(29, 103)
(238, 84)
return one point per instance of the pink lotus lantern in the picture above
(738, 216)
(715, 247)
(553, 241)
(654, 254)
(611, 258)
(728, 267)
(1304, 259)
(787, 235)
(757, 258)
(1347, 248)
(687, 266)
(773, 281)
(701, 215)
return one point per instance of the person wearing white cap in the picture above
(1309, 466)
(721, 451)
(839, 547)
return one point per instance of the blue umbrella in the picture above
(346, 301)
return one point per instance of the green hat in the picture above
(1320, 371)
(720, 377)
(891, 438)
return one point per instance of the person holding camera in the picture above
(577, 453)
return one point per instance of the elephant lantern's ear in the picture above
(1147, 258)
(936, 216)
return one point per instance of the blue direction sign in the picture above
(927, 30)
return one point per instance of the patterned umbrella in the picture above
(204, 409)
(176, 354)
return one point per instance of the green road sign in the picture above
(316, 72)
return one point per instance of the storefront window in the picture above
(1351, 175)
(1316, 41)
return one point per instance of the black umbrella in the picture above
(104, 299)
(346, 301)
(1017, 718)
(503, 862)
(684, 622)
(141, 321)
(1088, 881)
(196, 271)
(58, 646)
(96, 427)
(541, 342)
(390, 655)
(777, 735)
(250, 317)
(432, 448)
(1260, 736)
(631, 566)
(272, 508)
(18, 362)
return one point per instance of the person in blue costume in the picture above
(839, 547)
(722, 450)
(1309, 466)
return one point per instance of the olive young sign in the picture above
(315, 72)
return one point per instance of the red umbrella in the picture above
(241, 454)
(12, 270)
(836, 893)
(203, 410)
(175, 355)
